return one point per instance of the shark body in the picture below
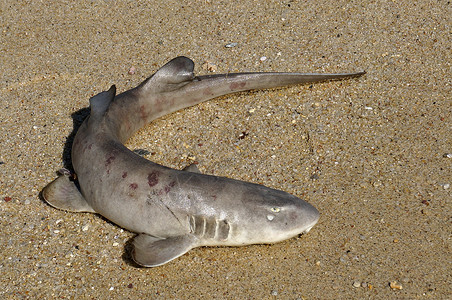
(174, 211)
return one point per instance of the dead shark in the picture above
(174, 211)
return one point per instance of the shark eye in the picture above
(275, 209)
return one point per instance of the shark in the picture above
(173, 211)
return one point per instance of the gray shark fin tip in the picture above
(173, 75)
(63, 194)
(149, 251)
(99, 104)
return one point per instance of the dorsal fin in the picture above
(175, 74)
(100, 103)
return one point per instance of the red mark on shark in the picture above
(109, 160)
(153, 178)
(143, 112)
(237, 85)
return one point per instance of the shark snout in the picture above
(311, 216)
(309, 228)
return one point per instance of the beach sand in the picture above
(373, 154)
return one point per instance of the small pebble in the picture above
(85, 227)
(230, 45)
(263, 58)
(58, 221)
(27, 202)
(115, 244)
(208, 66)
(425, 202)
(356, 284)
(447, 155)
(132, 70)
(446, 186)
(141, 152)
(314, 176)
(274, 293)
(395, 286)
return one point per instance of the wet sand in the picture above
(373, 154)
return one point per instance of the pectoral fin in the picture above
(150, 251)
(63, 194)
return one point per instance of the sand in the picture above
(373, 154)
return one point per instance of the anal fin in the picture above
(151, 251)
(63, 194)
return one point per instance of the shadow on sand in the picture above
(77, 119)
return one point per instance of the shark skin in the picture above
(172, 210)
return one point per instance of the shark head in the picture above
(273, 216)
